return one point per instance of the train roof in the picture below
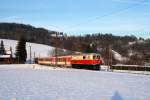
(88, 54)
(72, 55)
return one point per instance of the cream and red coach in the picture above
(85, 61)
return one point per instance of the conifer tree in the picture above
(2, 48)
(21, 53)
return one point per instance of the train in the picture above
(90, 61)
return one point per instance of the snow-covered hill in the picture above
(118, 56)
(38, 49)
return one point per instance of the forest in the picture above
(135, 50)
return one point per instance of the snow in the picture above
(130, 52)
(118, 56)
(131, 43)
(125, 65)
(39, 49)
(36, 82)
(104, 67)
(132, 72)
(4, 56)
(139, 41)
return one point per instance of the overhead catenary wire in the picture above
(98, 18)
(106, 15)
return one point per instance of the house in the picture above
(5, 59)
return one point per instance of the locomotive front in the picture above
(87, 61)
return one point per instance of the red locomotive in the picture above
(85, 61)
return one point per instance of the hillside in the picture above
(135, 50)
(15, 31)
(40, 50)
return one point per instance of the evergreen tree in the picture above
(2, 48)
(21, 53)
(88, 49)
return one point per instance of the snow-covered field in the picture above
(35, 82)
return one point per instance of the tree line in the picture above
(88, 43)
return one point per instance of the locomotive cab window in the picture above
(98, 57)
(94, 57)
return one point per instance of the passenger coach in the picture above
(84, 61)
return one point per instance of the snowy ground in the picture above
(22, 82)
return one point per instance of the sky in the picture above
(78, 17)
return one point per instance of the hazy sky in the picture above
(120, 17)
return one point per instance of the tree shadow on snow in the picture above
(116, 96)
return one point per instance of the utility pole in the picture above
(56, 35)
(34, 57)
(11, 60)
(56, 50)
(30, 54)
(11, 55)
(110, 57)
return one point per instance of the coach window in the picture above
(84, 57)
(88, 57)
(94, 57)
